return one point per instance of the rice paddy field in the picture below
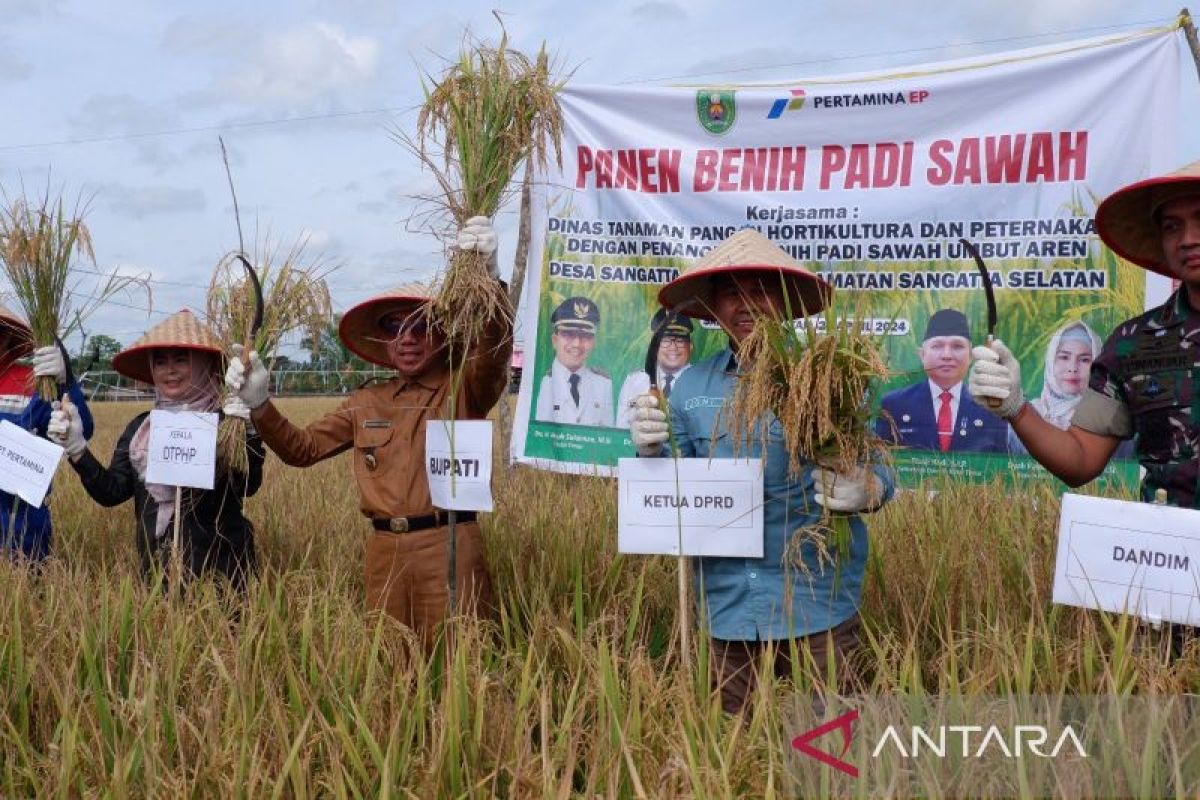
(109, 688)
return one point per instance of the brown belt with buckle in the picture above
(424, 522)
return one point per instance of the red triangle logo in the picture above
(845, 724)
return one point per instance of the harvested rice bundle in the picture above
(39, 244)
(490, 110)
(292, 296)
(817, 379)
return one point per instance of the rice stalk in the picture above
(40, 241)
(816, 379)
(491, 110)
(295, 298)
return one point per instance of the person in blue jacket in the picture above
(25, 530)
(763, 612)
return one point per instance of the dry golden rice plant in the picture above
(816, 378)
(40, 243)
(491, 110)
(295, 297)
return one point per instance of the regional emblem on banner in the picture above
(716, 110)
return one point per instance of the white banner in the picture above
(690, 506)
(868, 179)
(27, 463)
(182, 449)
(1136, 558)
(458, 464)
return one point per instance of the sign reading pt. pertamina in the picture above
(182, 449)
(1136, 558)
(458, 464)
(27, 463)
(690, 506)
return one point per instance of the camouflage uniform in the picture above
(1146, 382)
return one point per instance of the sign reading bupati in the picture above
(653, 178)
(182, 448)
(27, 463)
(1122, 556)
(458, 463)
(690, 506)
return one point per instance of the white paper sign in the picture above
(690, 506)
(182, 449)
(460, 477)
(1120, 556)
(27, 463)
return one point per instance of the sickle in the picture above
(987, 286)
(257, 321)
(992, 402)
(656, 338)
(62, 348)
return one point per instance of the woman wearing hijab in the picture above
(182, 359)
(1069, 358)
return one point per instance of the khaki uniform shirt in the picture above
(385, 425)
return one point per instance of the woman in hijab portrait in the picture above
(1069, 356)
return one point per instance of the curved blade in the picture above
(987, 285)
(257, 321)
(62, 348)
(651, 364)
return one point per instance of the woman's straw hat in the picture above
(180, 330)
(360, 331)
(16, 327)
(747, 252)
(1127, 220)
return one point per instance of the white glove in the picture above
(236, 407)
(48, 363)
(253, 385)
(648, 427)
(477, 234)
(66, 428)
(849, 493)
(996, 375)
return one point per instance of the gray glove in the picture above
(849, 493)
(66, 427)
(478, 234)
(253, 385)
(996, 375)
(48, 363)
(648, 426)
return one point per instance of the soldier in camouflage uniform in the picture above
(1146, 382)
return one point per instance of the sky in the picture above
(122, 103)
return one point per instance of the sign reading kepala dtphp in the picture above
(182, 449)
(690, 506)
(458, 464)
(1136, 558)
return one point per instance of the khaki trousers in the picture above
(406, 576)
(735, 663)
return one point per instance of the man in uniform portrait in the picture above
(573, 392)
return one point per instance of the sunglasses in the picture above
(394, 327)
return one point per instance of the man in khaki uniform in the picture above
(384, 425)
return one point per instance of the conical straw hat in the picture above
(747, 252)
(180, 330)
(359, 329)
(22, 344)
(1127, 222)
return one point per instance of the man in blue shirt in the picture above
(762, 607)
(24, 530)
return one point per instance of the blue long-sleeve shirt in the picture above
(28, 533)
(763, 598)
